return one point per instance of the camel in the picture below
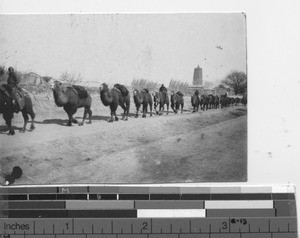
(118, 95)
(160, 99)
(7, 108)
(195, 100)
(177, 101)
(225, 101)
(211, 101)
(72, 97)
(204, 101)
(142, 98)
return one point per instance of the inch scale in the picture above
(152, 228)
(148, 212)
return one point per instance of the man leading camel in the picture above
(13, 81)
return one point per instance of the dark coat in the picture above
(13, 80)
(162, 89)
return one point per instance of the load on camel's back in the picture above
(142, 98)
(72, 97)
(118, 95)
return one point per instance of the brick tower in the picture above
(197, 80)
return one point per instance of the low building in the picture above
(221, 90)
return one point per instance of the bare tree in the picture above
(175, 85)
(236, 81)
(71, 78)
(140, 84)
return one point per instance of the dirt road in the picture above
(190, 147)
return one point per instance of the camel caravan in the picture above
(14, 99)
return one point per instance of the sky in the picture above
(118, 48)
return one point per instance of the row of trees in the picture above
(174, 85)
(235, 81)
(140, 84)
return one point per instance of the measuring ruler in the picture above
(148, 212)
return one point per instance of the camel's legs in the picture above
(87, 110)
(127, 111)
(70, 111)
(32, 115)
(70, 120)
(111, 119)
(125, 107)
(161, 109)
(144, 110)
(172, 106)
(8, 117)
(150, 105)
(167, 108)
(113, 109)
(116, 118)
(125, 114)
(137, 111)
(90, 115)
(157, 107)
(157, 111)
(26, 118)
(84, 117)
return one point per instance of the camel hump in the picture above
(146, 90)
(179, 93)
(81, 91)
(124, 91)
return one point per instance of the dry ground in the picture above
(189, 147)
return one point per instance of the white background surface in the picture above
(273, 72)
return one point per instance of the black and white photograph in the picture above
(123, 98)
